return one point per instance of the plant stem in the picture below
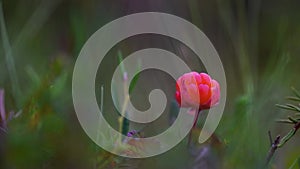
(274, 146)
(278, 142)
(194, 126)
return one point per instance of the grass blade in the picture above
(35, 22)
(10, 63)
(297, 161)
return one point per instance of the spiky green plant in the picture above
(294, 120)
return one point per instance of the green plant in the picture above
(293, 120)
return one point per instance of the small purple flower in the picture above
(132, 133)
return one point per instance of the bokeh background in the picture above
(258, 43)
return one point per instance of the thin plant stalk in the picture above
(10, 63)
(193, 128)
(124, 107)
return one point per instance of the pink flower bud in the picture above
(197, 90)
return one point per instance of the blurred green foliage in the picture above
(258, 42)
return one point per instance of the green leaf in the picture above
(78, 29)
(135, 79)
(123, 71)
(125, 126)
(59, 85)
(284, 121)
(294, 107)
(287, 137)
(296, 92)
(133, 83)
(292, 120)
(120, 56)
(286, 107)
(294, 98)
(33, 75)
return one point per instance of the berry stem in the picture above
(194, 126)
